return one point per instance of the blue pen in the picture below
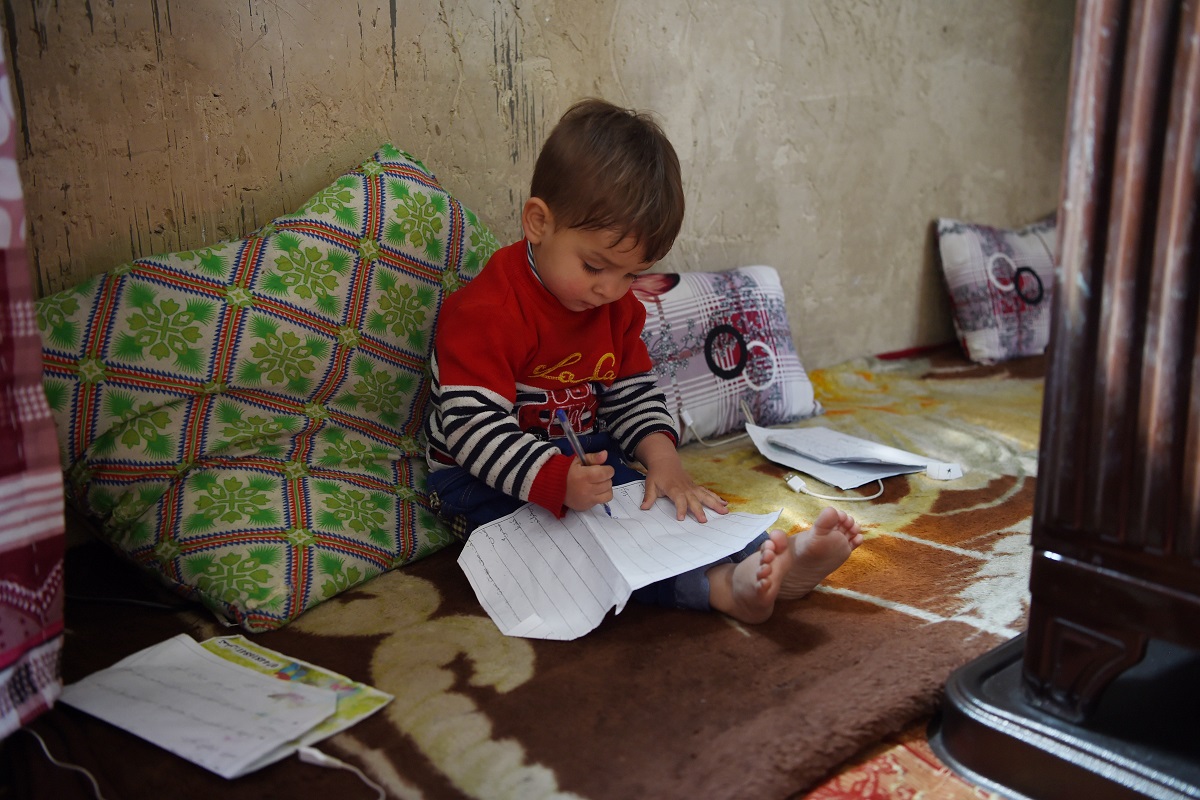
(574, 440)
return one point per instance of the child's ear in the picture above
(536, 219)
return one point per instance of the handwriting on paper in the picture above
(201, 707)
(542, 577)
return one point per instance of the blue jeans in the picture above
(459, 493)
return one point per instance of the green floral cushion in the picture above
(245, 419)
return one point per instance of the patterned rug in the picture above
(901, 768)
(653, 703)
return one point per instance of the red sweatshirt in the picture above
(508, 355)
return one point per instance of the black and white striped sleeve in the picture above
(476, 427)
(634, 407)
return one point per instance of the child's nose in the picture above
(610, 289)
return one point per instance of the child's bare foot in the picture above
(783, 568)
(819, 551)
(747, 590)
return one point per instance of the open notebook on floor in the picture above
(842, 460)
(541, 577)
(227, 704)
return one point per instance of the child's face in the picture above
(584, 269)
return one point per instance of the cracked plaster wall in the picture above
(822, 136)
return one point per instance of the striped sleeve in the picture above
(634, 407)
(476, 428)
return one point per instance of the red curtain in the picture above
(31, 488)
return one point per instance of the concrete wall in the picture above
(819, 136)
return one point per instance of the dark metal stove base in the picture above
(1143, 740)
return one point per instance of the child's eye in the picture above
(592, 270)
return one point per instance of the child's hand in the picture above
(591, 485)
(666, 477)
(683, 492)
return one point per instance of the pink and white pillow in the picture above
(1001, 284)
(721, 339)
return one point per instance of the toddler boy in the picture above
(549, 325)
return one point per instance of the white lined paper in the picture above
(546, 578)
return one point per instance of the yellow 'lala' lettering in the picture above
(607, 358)
(559, 372)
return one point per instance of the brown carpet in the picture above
(654, 703)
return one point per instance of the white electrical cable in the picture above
(797, 484)
(689, 422)
(746, 412)
(64, 764)
(311, 755)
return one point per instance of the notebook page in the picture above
(648, 546)
(541, 577)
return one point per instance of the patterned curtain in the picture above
(31, 489)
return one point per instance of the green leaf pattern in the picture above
(402, 310)
(231, 501)
(309, 273)
(348, 508)
(136, 428)
(235, 578)
(376, 392)
(210, 261)
(246, 416)
(418, 220)
(338, 578)
(164, 329)
(483, 244)
(256, 433)
(337, 450)
(54, 317)
(281, 357)
(337, 199)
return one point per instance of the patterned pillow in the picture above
(1001, 283)
(721, 339)
(244, 419)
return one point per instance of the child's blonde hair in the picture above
(608, 168)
